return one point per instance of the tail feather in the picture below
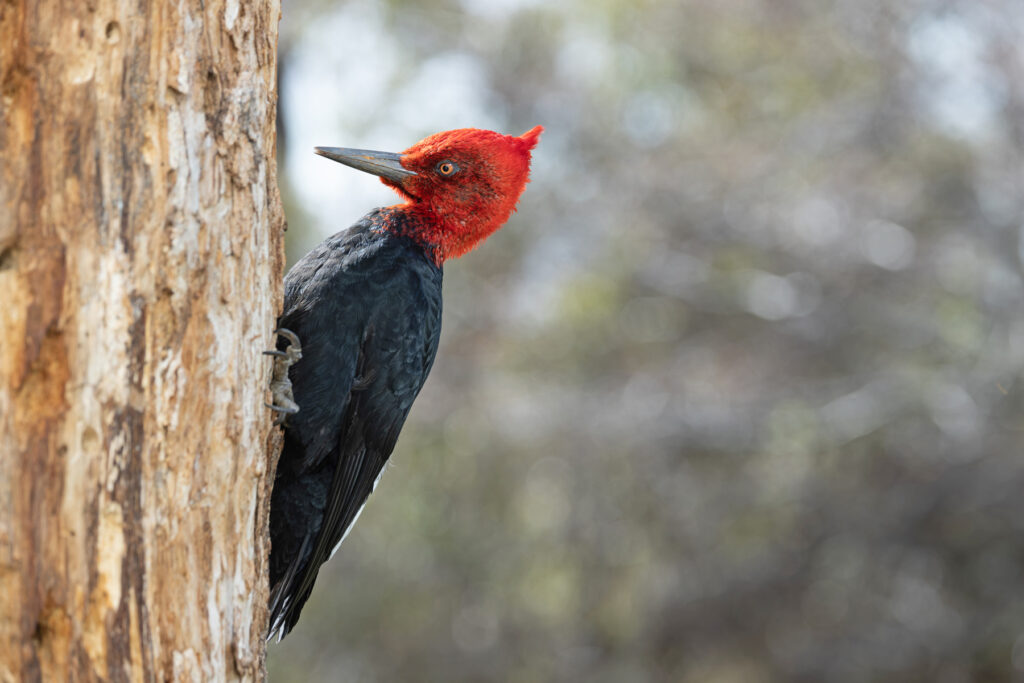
(282, 598)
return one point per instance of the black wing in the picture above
(367, 308)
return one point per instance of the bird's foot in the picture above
(280, 386)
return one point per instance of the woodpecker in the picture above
(362, 311)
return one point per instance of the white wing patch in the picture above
(358, 512)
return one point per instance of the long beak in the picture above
(385, 164)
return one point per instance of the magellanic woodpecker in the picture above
(363, 313)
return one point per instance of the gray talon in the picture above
(280, 386)
(292, 338)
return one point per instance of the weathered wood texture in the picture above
(140, 261)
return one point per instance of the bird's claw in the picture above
(293, 340)
(284, 411)
(280, 385)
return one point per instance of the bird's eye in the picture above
(447, 168)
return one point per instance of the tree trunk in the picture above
(140, 268)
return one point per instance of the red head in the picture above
(460, 185)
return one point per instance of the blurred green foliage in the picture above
(737, 393)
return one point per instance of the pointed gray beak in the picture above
(384, 164)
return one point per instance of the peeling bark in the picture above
(140, 266)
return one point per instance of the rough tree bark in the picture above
(140, 266)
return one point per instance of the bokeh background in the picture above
(737, 395)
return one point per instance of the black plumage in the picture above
(366, 305)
